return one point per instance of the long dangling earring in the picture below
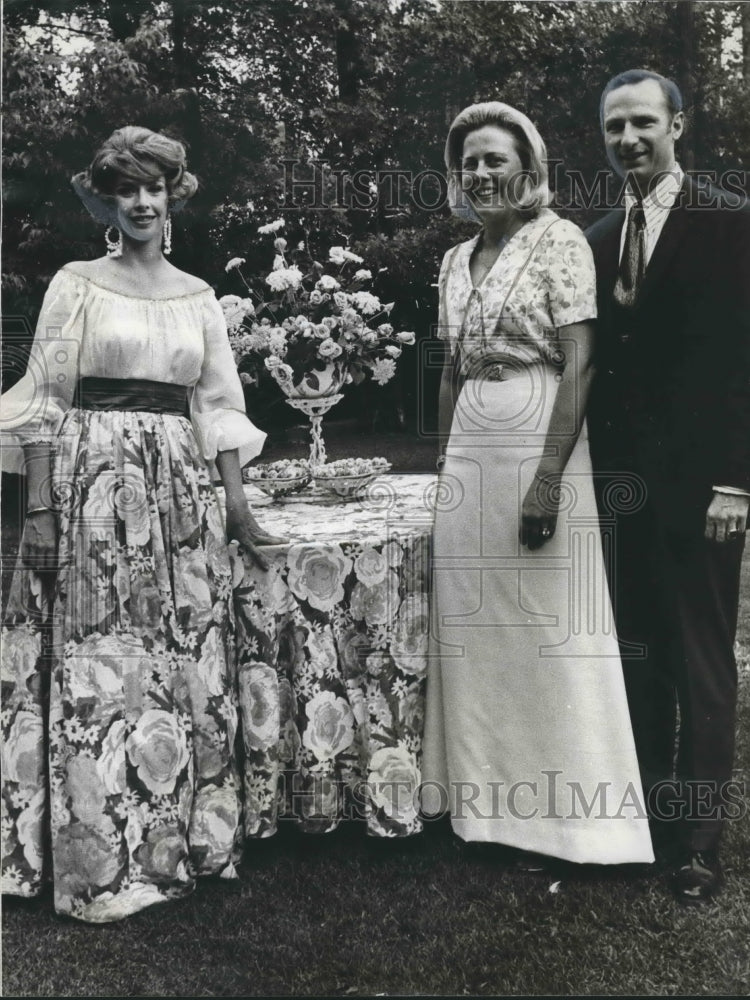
(114, 247)
(168, 236)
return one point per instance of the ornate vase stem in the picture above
(314, 410)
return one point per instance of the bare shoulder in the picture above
(87, 268)
(184, 283)
(116, 275)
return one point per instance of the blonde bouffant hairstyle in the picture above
(531, 190)
(142, 155)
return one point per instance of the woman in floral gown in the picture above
(528, 740)
(119, 619)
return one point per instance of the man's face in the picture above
(639, 132)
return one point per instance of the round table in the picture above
(332, 657)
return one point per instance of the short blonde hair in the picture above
(139, 153)
(532, 193)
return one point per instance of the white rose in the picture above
(158, 749)
(21, 647)
(393, 782)
(317, 574)
(322, 652)
(327, 283)
(330, 726)
(214, 823)
(259, 704)
(329, 348)
(370, 567)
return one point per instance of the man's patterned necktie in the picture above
(633, 260)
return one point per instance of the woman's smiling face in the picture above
(489, 161)
(142, 206)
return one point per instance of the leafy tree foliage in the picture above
(259, 89)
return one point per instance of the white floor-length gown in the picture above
(528, 739)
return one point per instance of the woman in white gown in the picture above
(528, 740)
(140, 791)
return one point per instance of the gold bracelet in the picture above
(37, 510)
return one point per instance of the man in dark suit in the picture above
(669, 428)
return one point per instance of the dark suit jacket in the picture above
(671, 395)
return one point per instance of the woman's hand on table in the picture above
(539, 510)
(39, 540)
(244, 529)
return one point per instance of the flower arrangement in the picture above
(318, 316)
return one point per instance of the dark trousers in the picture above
(675, 598)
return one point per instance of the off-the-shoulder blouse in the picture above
(85, 329)
(543, 279)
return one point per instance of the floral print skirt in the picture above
(119, 691)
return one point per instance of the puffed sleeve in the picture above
(31, 411)
(217, 404)
(444, 331)
(571, 277)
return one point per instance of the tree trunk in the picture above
(192, 126)
(686, 20)
(347, 53)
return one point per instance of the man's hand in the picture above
(726, 517)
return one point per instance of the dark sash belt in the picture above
(130, 394)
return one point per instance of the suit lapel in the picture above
(607, 260)
(670, 238)
(608, 253)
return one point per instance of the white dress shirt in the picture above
(656, 207)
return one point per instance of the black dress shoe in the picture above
(698, 878)
(530, 862)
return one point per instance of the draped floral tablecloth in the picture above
(332, 656)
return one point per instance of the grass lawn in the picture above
(343, 915)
